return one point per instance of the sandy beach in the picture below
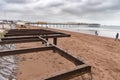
(103, 54)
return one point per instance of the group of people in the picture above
(116, 37)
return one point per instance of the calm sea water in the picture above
(106, 31)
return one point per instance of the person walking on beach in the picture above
(96, 33)
(117, 35)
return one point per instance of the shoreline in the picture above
(101, 52)
(68, 31)
(101, 31)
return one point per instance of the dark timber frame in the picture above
(34, 35)
(14, 35)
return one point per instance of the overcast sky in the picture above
(92, 11)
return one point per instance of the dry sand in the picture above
(102, 53)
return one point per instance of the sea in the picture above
(103, 30)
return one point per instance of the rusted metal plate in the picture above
(31, 37)
(19, 41)
(68, 56)
(25, 32)
(23, 51)
(22, 37)
(78, 71)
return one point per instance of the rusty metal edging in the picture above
(69, 57)
(31, 37)
(19, 41)
(79, 70)
(27, 32)
(23, 51)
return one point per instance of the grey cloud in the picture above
(20, 1)
(15, 1)
(91, 7)
(55, 5)
(2, 3)
(65, 9)
(74, 0)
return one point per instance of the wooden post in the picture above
(47, 39)
(55, 41)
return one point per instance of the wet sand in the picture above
(102, 53)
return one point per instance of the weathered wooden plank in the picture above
(23, 51)
(19, 41)
(31, 37)
(68, 56)
(79, 70)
